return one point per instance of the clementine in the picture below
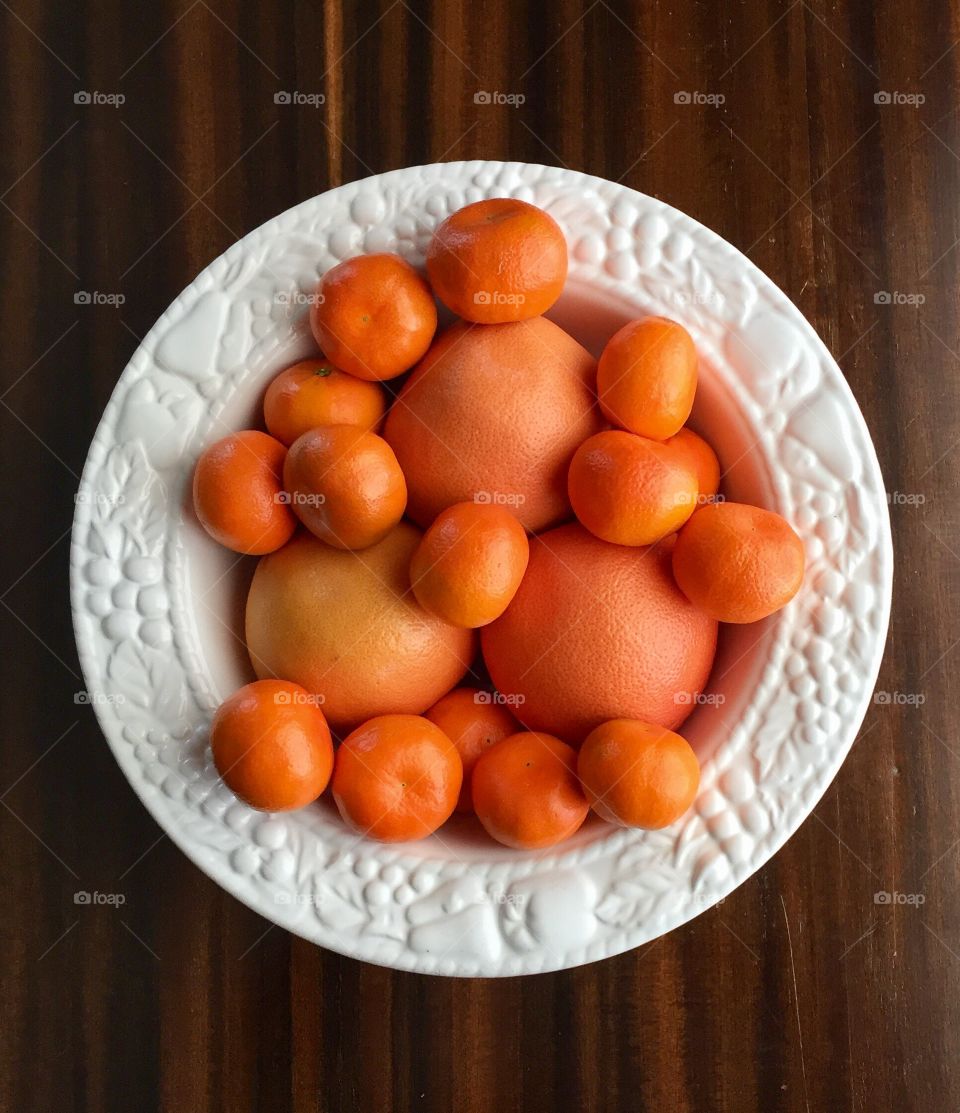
(237, 493)
(630, 490)
(638, 774)
(314, 392)
(738, 563)
(526, 793)
(473, 721)
(345, 485)
(647, 377)
(498, 260)
(397, 778)
(470, 563)
(373, 316)
(271, 745)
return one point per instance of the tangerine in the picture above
(397, 778)
(526, 793)
(630, 490)
(638, 774)
(473, 721)
(738, 563)
(498, 260)
(373, 316)
(345, 485)
(469, 563)
(271, 745)
(314, 392)
(237, 493)
(647, 377)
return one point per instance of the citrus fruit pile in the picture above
(515, 514)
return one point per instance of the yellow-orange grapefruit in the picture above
(494, 413)
(597, 632)
(347, 627)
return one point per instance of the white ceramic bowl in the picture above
(158, 606)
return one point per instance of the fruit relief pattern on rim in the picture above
(152, 689)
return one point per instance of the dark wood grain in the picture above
(798, 992)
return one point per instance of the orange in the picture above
(346, 626)
(630, 490)
(494, 414)
(597, 632)
(314, 392)
(738, 563)
(373, 316)
(397, 778)
(473, 721)
(271, 745)
(526, 793)
(498, 260)
(637, 774)
(237, 493)
(345, 485)
(470, 563)
(647, 377)
(694, 451)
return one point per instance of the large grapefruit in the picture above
(597, 632)
(494, 413)
(347, 627)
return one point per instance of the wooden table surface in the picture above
(799, 992)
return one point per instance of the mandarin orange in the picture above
(237, 493)
(397, 778)
(637, 774)
(647, 377)
(526, 793)
(271, 745)
(498, 260)
(738, 563)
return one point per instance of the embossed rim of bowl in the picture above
(137, 636)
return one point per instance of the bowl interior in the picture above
(219, 580)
